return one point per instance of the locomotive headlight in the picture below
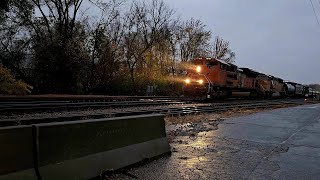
(200, 81)
(198, 69)
(187, 81)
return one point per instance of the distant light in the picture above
(187, 81)
(198, 69)
(200, 81)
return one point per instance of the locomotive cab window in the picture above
(199, 62)
(210, 64)
(223, 66)
(232, 68)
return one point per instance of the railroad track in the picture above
(179, 111)
(83, 98)
(34, 106)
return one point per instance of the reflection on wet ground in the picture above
(278, 144)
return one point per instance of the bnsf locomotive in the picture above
(213, 78)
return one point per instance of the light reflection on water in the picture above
(196, 159)
(193, 162)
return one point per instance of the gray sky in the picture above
(278, 37)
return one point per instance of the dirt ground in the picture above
(206, 117)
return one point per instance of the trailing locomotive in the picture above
(213, 78)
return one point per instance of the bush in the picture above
(165, 87)
(11, 86)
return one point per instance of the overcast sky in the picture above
(278, 37)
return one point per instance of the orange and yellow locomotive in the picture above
(213, 78)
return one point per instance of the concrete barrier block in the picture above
(84, 149)
(16, 153)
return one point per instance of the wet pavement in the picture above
(277, 144)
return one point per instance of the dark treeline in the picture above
(100, 47)
(315, 86)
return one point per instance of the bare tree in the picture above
(58, 39)
(15, 39)
(194, 40)
(59, 16)
(174, 40)
(104, 42)
(145, 26)
(221, 50)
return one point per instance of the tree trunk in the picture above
(133, 81)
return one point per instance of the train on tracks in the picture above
(214, 78)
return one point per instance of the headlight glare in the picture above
(198, 69)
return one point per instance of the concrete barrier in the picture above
(85, 149)
(16, 153)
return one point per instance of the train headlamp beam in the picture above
(198, 69)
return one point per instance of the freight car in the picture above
(313, 94)
(214, 78)
(296, 90)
